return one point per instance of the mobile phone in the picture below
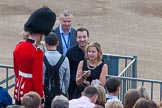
(87, 72)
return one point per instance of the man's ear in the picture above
(60, 18)
(57, 43)
(118, 89)
(46, 45)
(82, 94)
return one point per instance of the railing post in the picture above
(134, 72)
(124, 89)
(152, 90)
(7, 78)
(160, 91)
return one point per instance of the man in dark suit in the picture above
(65, 33)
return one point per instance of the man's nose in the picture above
(67, 23)
(82, 39)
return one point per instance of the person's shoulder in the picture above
(66, 59)
(73, 101)
(72, 49)
(105, 65)
(37, 47)
(20, 42)
(73, 29)
(81, 62)
(55, 29)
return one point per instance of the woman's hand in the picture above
(81, 75)
(86, 83)
(86, 73)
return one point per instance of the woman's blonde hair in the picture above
(99, 50)
(101, 95)
(113, 103)
(25, 35)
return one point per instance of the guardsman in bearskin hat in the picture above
(27, 56)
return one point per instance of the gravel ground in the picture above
(123, 27)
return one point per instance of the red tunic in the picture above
(28, 68)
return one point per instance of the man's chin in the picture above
(82, 45)
(66, 29)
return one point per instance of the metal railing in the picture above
(7, 76)
(121, 65)
(130, 81)
(154, 86)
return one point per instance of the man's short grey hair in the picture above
(113, 103)
(143, 91)
(90, 91)
(60, 102)
(66, 13)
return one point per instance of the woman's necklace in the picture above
(91, 67)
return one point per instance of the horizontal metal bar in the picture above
(119, 56)
(136, 79)
(11, 77)
(5, 80)
(10, 86)
(6, 66)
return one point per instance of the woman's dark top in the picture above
(95, 73)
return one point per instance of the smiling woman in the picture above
(92, 68)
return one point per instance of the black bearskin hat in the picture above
(41, 21)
